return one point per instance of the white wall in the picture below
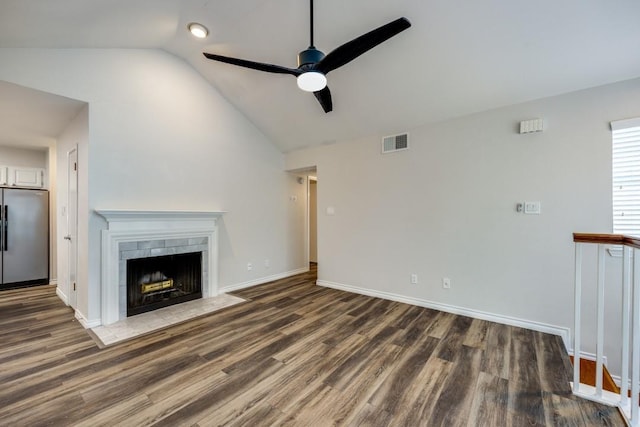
(446, 207)
(160, 137)
(25, 157)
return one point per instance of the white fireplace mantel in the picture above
(125, 226)
(135, 219)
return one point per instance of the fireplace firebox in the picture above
(160, 281)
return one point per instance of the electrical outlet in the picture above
(249, 266)
(532, 208)
(414, 279)
(446, 283)
(266, 263)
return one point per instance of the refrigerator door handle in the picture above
(6, 228)
(1, 228)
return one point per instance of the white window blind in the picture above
(626, 176)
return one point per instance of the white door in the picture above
(72, 224)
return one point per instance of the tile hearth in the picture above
(152, 321)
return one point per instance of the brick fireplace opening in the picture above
(161, 281)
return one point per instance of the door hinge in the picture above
(74, 286)
(75, 166)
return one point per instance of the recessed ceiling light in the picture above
(198, 30)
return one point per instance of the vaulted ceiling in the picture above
(459, 57)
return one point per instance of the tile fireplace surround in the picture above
(138, 234)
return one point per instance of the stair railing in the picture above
(630, 323)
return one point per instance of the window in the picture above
(626, 176)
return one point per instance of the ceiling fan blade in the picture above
(269, 68)
(324, 98)
(356, 47)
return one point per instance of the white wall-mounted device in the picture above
(533, 125)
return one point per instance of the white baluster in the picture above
(576, 323)
(600, 320)
(626, 310)
(635, 343)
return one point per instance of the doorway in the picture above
(72, 224)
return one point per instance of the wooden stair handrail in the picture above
(607, 239)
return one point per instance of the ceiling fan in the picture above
(313, 65)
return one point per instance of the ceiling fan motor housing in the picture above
(310, 56)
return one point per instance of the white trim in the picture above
(625, 124)
(53, 282)
(71, 229)
(307, 223)
(62, 295)
(590, 393)
(87, 324)
(506, 320)
(262, 280)
(126, 217)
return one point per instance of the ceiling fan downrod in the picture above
(307, 58)
(311, 24)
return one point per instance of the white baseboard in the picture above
(506, 320)
(262, 280)
(62, 296)
(53, 282)
(87, 324)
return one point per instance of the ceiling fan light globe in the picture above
(312, 81)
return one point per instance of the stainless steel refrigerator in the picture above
(24, 237)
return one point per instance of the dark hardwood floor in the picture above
(296, 354)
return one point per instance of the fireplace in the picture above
(132, 235)
(161, 281)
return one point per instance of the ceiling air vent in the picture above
(395, 143)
